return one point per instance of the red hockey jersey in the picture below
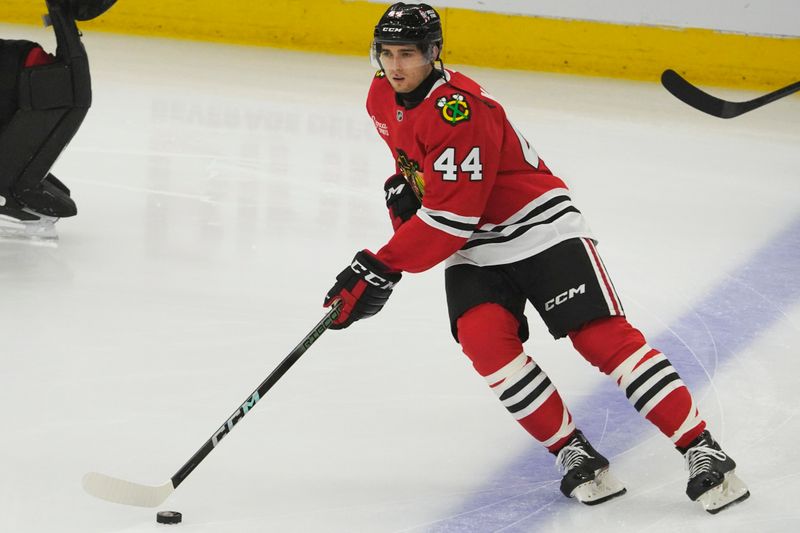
(487, 198)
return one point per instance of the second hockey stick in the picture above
(129, 493)
(702, 101)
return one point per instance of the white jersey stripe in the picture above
(522, 213)
(542, 223)
(504, 230)
(472, 221)
(435, 224)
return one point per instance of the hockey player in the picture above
(470, 190)
(43, 101)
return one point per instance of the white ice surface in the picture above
(220, 189)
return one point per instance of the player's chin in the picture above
(398, 85)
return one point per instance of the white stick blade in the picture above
(125, 492)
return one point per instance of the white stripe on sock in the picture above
(626, 367)
(663, 393)
(514, 366)
(567, 427)
(536, 403)
(645, 387)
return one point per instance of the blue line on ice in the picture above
(729, 318)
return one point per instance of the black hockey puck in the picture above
(169, 517)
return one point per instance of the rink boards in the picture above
(471, 37)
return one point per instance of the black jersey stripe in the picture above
(519, 231)
(444, 221)
(655, 389)
(530, 398)
(521, 384)
(534, 213)
(649, 373)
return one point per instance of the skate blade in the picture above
(41, 231)
(602, 488)
(731, 490)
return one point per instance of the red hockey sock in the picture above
(488, 335)
(644, 374)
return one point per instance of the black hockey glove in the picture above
(363, 287)
(401, 200)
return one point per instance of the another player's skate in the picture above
(20, 223)
(586, 475)
(712, 479)
(31, 213)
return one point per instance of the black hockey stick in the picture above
(701, 100)
(129, 493)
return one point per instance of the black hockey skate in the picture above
(31, 213)
(712, 479)
(586, 476)
(49, 197)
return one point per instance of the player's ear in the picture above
(436, 53)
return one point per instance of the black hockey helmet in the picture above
(85, 9)
(417, 24)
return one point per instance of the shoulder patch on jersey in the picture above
(380, 74)
(454, 109)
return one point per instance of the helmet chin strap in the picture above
(441, 65)
(438, 58)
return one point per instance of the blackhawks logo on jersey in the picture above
(455, 109)
(410, 170)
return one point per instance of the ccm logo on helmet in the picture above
(564, 296)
